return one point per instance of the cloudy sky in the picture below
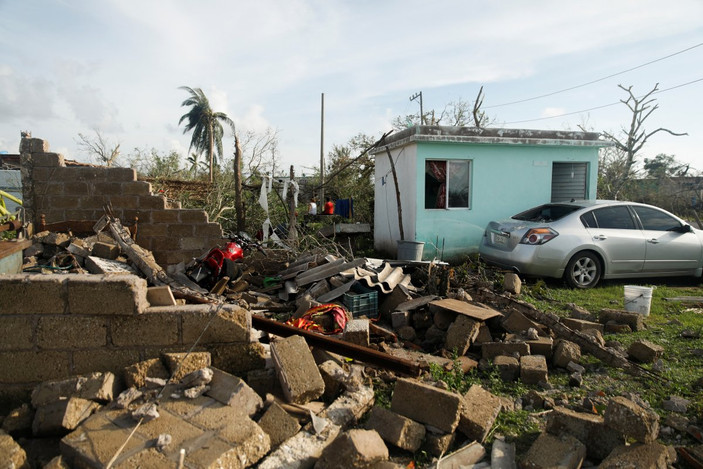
(70, 66)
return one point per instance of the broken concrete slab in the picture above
(541, 346)
(395, 429)
(278, 424)
(438, 444)
(502, 454)
(533, 369)
(426, 404)
(589, 429)
(517, 323)
(645, 351)
(180, 364)
(479, 410)
(476, 311)
(651, 455)
(466, 456)
(12, 456)
(99, 387)
(135, 375)
(62, 416)
(233, 391)
(493, 349)
(461, 334)
(98, 265)
(582, 325)
(400, 319)
(508, 367)
(549, 451)
(632, 420)
(296, 369)
(634, 320)
(160, 296)
(353, 449)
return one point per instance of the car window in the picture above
(546, 213)
(614, 217)
(589, 220)
(653, 219)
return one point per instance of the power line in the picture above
(600, 107)
(594, 81)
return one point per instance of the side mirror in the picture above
(683, 229)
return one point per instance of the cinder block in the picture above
(180, 364)
(645, 351)
(566, 352)
(231, 323)
(550, 451)
(493, 349)
(438, 444)
(33, 294)
(145, 329)
(106, 250)
(35, 366)
(632, 420)
(353, 449)
(518, 322)
(160, 296)
(47, 159)
(634, 320)
(192, 216)
(120, 174)
(589, 429)
(443, 318)
(152, 202)
(278, 424)
(238, 359)
(233, 391)
(332, 375)
(638, 455)
(135, 188)
(34, 145)
(582, 325)
(480, 409)
(103, 359)
(533, 369)
(18, 422)
(17, 332)
(212, 232)
(395, 429)
(400, 319)
(62, 416)
(297, 371)
(461, 334)
(135, 375)
(99, 387)
(356, 331)
(106, 294)
(541, 346)
(165, 216)
(71, 332)
(180, 231)
(426, 404)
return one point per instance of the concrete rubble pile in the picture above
(314, 404)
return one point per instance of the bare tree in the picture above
(458, 113)
(99, 148)
(635, 137)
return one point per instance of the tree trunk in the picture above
(239, 207)
(292, 215)
(397, 195)
(211, 154)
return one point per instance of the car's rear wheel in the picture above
(583, 270)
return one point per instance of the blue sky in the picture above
(70, 66)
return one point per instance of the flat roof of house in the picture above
(438, 133)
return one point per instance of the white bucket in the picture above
(638, 299)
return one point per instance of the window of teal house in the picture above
(447, 184)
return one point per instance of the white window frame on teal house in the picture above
(444, 180)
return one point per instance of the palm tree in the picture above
(206, 125)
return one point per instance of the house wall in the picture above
(56, 326)
(63, 193)
(386, 228)
(505, 179)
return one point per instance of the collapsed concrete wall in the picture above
(77, 193)
(56, 326)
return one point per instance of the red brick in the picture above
(71, 332)
(145, 329)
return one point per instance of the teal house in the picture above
(451, 181)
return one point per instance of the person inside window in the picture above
(329, 207)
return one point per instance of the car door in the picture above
(614, 231)
(667, 250)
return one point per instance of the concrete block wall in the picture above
(56, 326)
(63, 193)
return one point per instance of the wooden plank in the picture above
(11, 247)
(473, 310)
(686, 299)
(415, 304)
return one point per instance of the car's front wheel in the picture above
(583, 270)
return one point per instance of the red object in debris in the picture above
(216, 257)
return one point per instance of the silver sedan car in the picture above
(586, 241)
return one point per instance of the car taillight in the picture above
(538, 236)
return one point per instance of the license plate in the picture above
(500, 239)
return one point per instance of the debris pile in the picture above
(339, 335)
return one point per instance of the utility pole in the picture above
(413, 98)
(322, 151)
(292, 218)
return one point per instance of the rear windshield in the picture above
(546, 212)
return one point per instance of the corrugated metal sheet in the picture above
(569, 181)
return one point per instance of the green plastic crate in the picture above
(362, 304)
